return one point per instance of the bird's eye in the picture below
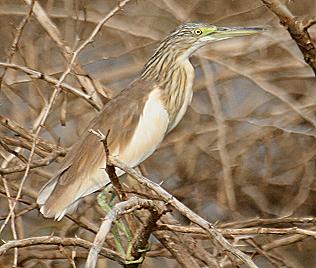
(198, 31)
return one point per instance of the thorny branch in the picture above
(142, 234)
(298, 29)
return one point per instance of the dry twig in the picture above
(298, 29)
(55, 240)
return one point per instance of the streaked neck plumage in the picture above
(171, 70)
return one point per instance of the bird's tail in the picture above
(57, 199)
(49, 209)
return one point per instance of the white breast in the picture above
(149, 133)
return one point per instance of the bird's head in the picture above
(178, 46)
(189, 37)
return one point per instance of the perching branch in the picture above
(185, 211)
(119, 209)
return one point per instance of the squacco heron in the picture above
(138, 118)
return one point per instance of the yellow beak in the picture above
(229, 32)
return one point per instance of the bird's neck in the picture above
(173, 74)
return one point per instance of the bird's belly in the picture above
(149, 133)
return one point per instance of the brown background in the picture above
(265, 146)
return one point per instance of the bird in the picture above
(136, 120)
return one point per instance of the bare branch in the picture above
(29, 136)
(195, 218)
(238, 231)
(121, 208)
(297, 28)
(221, 137)
(50, 79)
(55, 240)
(34, 164)
(110, 169)
(56, 36)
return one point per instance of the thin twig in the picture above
(16, 39)
(55, 240)
(53, 31)
(260, 222)
(52, 80)
(221, 136)
(13, 152)
(284, 241)
(13, 217)
(29, 136)
(34, 164)
(238, 231)
(267, 87)
(110, 169)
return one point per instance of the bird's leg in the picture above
(129, 256)
(106, 201)
(140, 260)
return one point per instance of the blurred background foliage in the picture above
(267, 99)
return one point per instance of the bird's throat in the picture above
(177, 92)
(173, 74)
